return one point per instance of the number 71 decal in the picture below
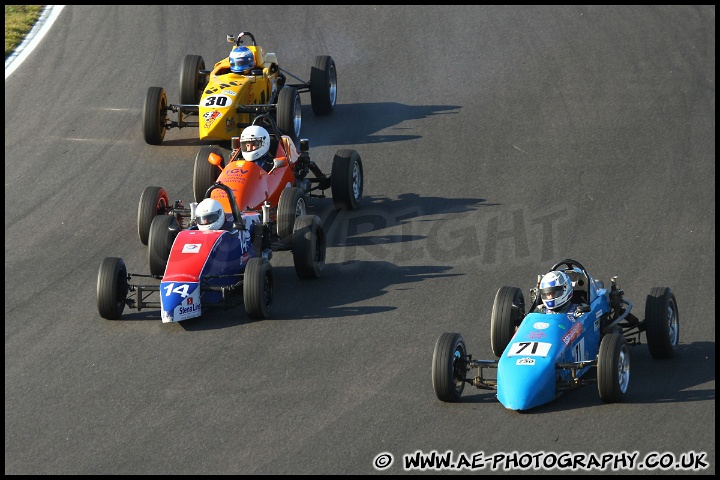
(532, 349)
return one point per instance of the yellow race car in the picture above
(221, 102)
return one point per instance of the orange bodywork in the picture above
(251, 185)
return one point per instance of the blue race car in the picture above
(541, 355)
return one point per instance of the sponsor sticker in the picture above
(536, 335)
(541, 325)
(210, 118)
(191, 248)
(525, 361)
(572, 334)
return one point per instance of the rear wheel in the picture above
(449, 367)
(192, 81)
(155, 116)
(112, 288)
(308, 246)
(346, 179)
(289, 112)
(613, 368)
(323, 85)
(153, 201)
(662, 322)
(160, 242)
(291, 205)
(258, 288)
(507, 313)
(204, 172)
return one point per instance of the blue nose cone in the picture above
(525, 382)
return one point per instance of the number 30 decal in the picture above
(218, 101)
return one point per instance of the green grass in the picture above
(19, 20)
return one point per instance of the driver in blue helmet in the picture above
(242, 60)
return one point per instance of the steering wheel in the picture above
(570, 264)
(266, 121)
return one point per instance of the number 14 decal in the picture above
(532, 349)
(182, 289)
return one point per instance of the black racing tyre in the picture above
(291, 205)
(258, 288)
(192, 82)
(204, 172)
(153, 201)
(449, 367)
(155, 115)
(346, 179)
(112, 288)
(160, 242)
(613, 368)
(308, 246)
(323, 85)
(507, 313)
(289, 112)
(662, 322)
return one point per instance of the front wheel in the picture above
(112, 288)
(192, 81)
(662, 322)
(449, 367)
(323, 85)
(155, 116)
(154, 201)
(613, 368)
(289, 112)
(291, 205)
(346, 179)
(160, 242)
(204, 172)
(507, 313)
(308, 246)
(258, 288)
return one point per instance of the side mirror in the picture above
(279, 162)
(215, 159)
(583, 308)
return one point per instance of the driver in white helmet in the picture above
(555, 291)
(209, 215)
(255, 146)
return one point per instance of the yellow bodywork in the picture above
(226, 91)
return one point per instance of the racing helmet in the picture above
(254, 142)
(555, 289)
(241, 60)
(209, 215)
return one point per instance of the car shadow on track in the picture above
(351, 228)
(359, 123)
(331, 295)
(349, 124)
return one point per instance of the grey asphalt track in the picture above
(496, 140)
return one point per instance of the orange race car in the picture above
(278, 192)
